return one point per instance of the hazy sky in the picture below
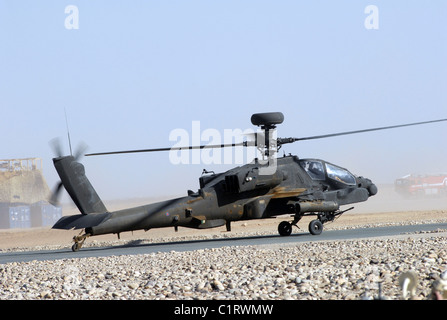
(129, 73)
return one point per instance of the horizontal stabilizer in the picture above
(81, 221)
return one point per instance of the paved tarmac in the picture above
(139, 248)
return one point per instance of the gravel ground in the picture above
(340, 270)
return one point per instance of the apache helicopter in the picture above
(261, 189)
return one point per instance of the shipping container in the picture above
(44, 214)
(4, 215)
(19, 217)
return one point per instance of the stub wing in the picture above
(81, 221)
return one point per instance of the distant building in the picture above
(24, 195)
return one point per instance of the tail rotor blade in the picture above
(80, 151)
(56, 145)
(54, 200)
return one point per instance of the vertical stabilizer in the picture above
(73, 178)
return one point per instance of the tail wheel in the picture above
(315, 227)
(285, 228)
(75, 247)
(79, 241)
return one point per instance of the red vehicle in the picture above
(422, 185)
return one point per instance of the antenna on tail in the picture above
(68, 131)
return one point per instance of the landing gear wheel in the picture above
(79, 241)
(315, 227)
(285, 228)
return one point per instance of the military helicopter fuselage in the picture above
(261, 189)
(243, 194)
(296, 187)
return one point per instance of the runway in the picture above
(135, 247)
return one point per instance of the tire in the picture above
(315, 227)
(285, 229)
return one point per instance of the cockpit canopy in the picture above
(321, 170)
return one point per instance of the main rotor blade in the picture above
(364, 130)
(244, 143)
(280, 141)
